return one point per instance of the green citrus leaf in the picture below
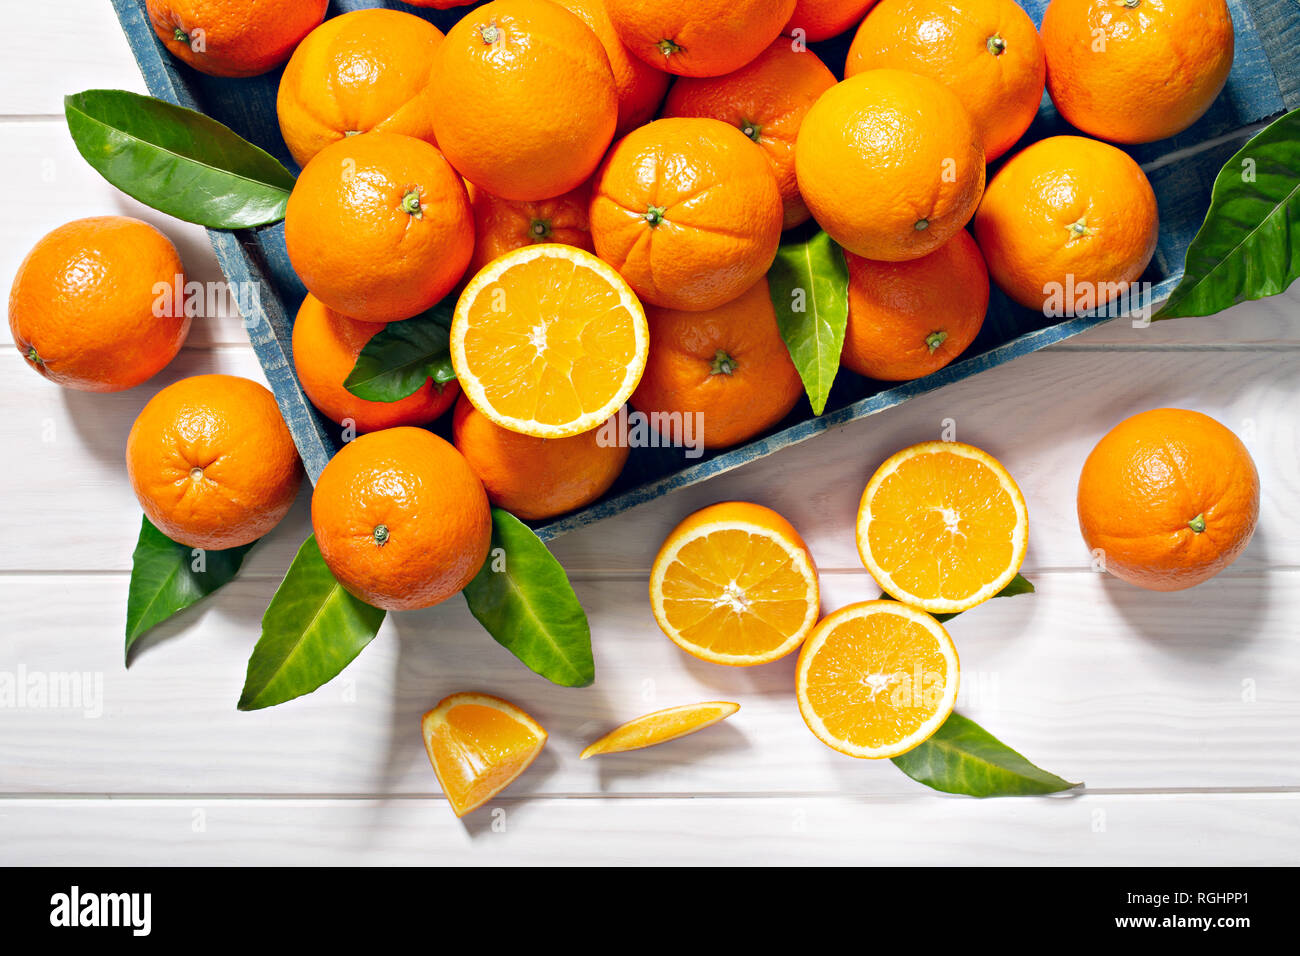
(1246, 248)
(177, 161)
(398, 360)
(809, 284)
(1018, 585)
(524, 599)
(167, 577)
(962, 757)
(312, 629)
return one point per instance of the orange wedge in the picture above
(877, 678)
(942, 526)
(548, 341)
(478, 744)
(735, 584)
(661, 727)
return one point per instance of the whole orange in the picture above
(639, 85)
(767, 101)
(526, 102)
(401, 519)
(890, 164)
(688, 211)
(501, 225)
(986, 51)
(212, 462)
(908, 319)
(1168, 499)
(1067, 216)
(94, 306)
(379, 227)
(700, 38)
(535, 478)
(325, 348)
(823, 19)
(365, 70)
(727, 369)
(234, 37)
(1135, 71)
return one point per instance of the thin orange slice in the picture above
(877, 678)
(735, 584)
(661, 727)
(548, 340)
(478, 744)
(942, 526)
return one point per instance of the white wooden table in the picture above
(1180, 711)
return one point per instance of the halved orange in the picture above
(478, 744)
(661, 727)
(876, 679)
(942, 526)
(735, 584)
(548, 340)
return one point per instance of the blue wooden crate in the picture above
(1265, 81)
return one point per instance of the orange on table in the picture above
(766, 100)
(478, 744)
(548, 341)
(890, 164)
(942, 526)
(640, 86)
(1066, 213)
(688, 212)
(823, 19)
(234, 37)
(526, 102)
(401, 519)
(735, 584)
(985, 51)
(1138, 70)
(212, 461)
(535, 478)
(661, 727)
(503, 225)
(378, 227)
(1168, 498)
(727, 368)
(361, 71)
(908, 319)
(876, 679)
(85, 309)
(700, 38)
(325, 349)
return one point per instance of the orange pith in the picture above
(876, 679)
(942, 526)
(735, 584)
(660, 727)
(548, 341)
(478, 745)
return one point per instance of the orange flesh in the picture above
(477, 750)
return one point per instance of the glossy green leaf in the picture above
(962, 757)
(398, 360)
(809, 284)
(524, 599)
(312, 629)
(1247, 246)
(177, 161)
(167, 577)
(1018, 585)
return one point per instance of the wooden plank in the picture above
(1090, 678)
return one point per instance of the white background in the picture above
(1180, 711)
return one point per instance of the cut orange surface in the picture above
(478, 744)
(735, 584)
(876, 679)
(942, 526)
(661, 726)
(548, 340)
